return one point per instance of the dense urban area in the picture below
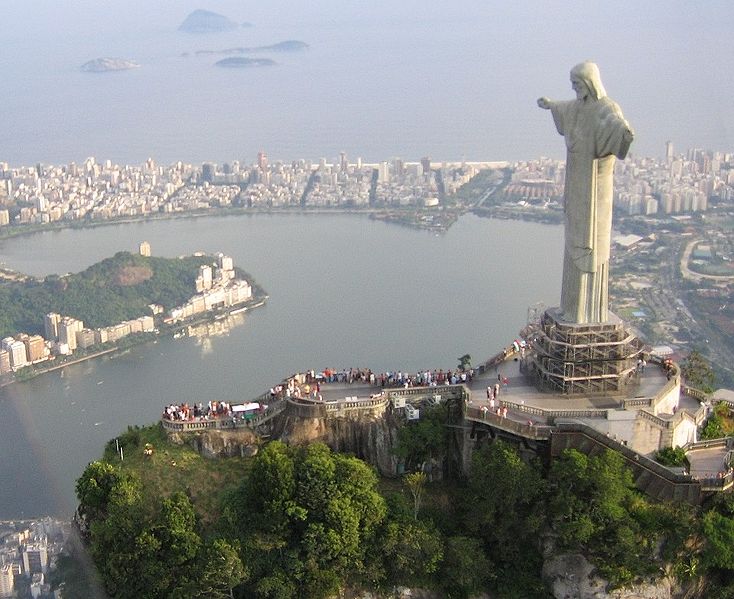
(672, 267)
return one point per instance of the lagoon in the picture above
(345, 291)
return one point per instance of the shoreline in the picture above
(384, 214)
(210, 316)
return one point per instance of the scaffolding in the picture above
(583, 359)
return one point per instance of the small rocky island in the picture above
(285, 46)
(240, 62)
(205, 21)
(105, 65)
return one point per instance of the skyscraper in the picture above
(7, 580)
(262, 161)
(51, 325)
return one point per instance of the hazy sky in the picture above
(458, 78)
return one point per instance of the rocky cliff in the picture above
(571, 576)
(220, 444)
(369, 437)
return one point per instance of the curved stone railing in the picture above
(305, 409)
(727, 442)
(549, 416)
(529, 431)
(189, 425)
(696, 393)
(352, 405)
(229, 422)
(638, 402)
(495, 360)
(445, 391)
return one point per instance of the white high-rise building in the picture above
(68, 328)
(7, 580)
(35, 558)
(16, 350)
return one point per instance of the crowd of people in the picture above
(197, 411)
(389, 379)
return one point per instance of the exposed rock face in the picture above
(370, 438)
(571, 576)
(220, 444)
(132, 275)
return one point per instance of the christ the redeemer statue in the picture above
(595, 133)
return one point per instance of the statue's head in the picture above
(588, 73)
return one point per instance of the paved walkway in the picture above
(519, 390)
(708, 463)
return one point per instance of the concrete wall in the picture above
(647, 437)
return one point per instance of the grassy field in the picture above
(170, 468)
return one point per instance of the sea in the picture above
(380, 79)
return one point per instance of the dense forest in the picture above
(304, 522)
(115, 289)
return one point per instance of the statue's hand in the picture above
(544, 103)
(628, 136)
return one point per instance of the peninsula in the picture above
(118, 302)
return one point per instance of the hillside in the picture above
(115, 289)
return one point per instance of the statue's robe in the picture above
(595, 134)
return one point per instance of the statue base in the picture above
(583, 359)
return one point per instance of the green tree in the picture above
(313, 514)
(218, 572)
(503, 506)
(412, 552)
(587, 495)
(416, 483)
(671, 456)
(94, 488)
(424, 440)
(465, 570)
(698, 373)
(504, 499)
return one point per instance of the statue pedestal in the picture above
(583, 359)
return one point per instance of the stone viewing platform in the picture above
(657, 399)
(655, 413)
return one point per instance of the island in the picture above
(239, 62)
(106, 65)
(205, 21)
(284, 46)
(118, 302)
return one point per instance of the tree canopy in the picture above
(113, 290)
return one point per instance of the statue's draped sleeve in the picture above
(560, 112)
(611, 130)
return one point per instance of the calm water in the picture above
(381, 79)
(344, 291)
